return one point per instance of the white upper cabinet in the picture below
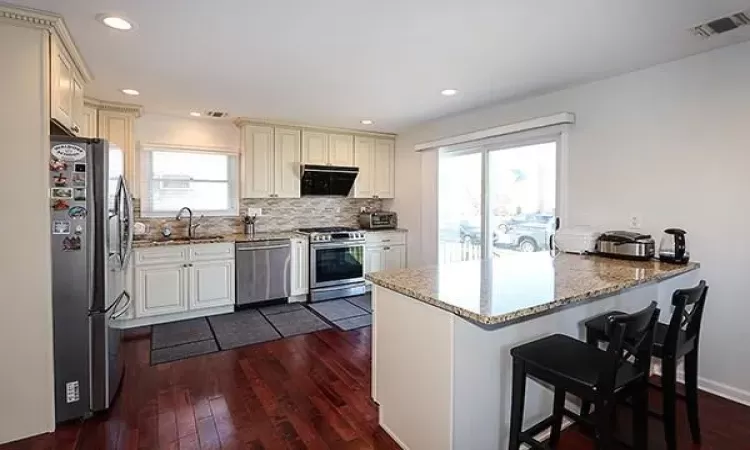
(314, 148)
(286, 163)
(341, 150)
(376, 161)
(364, 150)
(89, 122)
(66, 90)
(257, 162)
(325, 149)
(271, 160)
(384, 161)
(61, 85)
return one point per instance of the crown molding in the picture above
(242, 121)
(103, 105)
(51, 22)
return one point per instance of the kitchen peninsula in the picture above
(442, 336)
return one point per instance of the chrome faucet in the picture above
(191, 229)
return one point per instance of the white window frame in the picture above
(558, 134)
(146, 179)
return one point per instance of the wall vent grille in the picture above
(722, 25)
(217, 114)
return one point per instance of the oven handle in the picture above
(341, 245)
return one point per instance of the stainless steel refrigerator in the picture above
(92, 240)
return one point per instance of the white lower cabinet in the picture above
(385, 251)
(211, 284)
(183, 279)
(160, 289)
(300, 266)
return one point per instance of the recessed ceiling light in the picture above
(366, 122)
(195, 114)
(116, 22)
(130, 92)
(449, 92)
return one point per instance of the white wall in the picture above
(188, 131)
(670, 143)
(26, 367)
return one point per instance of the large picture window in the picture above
(497, 198)
(206, 182)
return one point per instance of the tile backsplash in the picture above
(278, 214)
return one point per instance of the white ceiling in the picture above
(335, 62)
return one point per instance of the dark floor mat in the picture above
(337, 309)
(242, 328)
(178, 333)
(283, 308)
(363, 301)
(353, 323)
(297, 322)
(177, 352)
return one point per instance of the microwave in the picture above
(378, 220)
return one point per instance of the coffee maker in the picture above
(673, 247)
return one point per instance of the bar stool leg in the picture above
(604, 439)
(691, 394)
(518, 396)
(557, 414)
(640, 416)
(669, 397)
(591, 339)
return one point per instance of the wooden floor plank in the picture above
(303, 392)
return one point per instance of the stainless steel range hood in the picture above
(327, 180)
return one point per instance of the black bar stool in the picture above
(671, 342)
(594, 375)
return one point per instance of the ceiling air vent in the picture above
(722, 25)
(216, 114)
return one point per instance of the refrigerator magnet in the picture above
(60, 180)
(79, 167)
(60, 205)
(60, 227)
(71, 244)
(79, 230)
(66, 193)
(68, 152)
(77, 212)
(79, 180)
(58, 166)
(79, 194)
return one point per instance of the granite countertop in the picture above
(232, 238)
(509, 288)
(226, 238)
(386, 230)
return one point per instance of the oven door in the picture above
(336, 264)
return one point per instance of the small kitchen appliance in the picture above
(579, 240)
(378, 220)
(337, 256)
(673, 247)
(626, 245)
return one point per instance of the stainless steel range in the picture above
(337, 256)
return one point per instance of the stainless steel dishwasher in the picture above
(262, 271)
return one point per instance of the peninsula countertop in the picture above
(510, 288)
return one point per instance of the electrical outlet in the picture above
(72, 392)
(636, 222)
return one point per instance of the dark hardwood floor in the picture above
(304, 392)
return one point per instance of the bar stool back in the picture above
(594, 375)
(672, 341)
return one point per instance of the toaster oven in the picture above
(378, 220)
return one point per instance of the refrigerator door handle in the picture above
(118, 314)
(129, 223)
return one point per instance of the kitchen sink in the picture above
(181, 239)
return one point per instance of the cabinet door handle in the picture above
(386, 240)
(386, 248)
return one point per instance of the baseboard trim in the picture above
(713, 387)
(155, 320)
